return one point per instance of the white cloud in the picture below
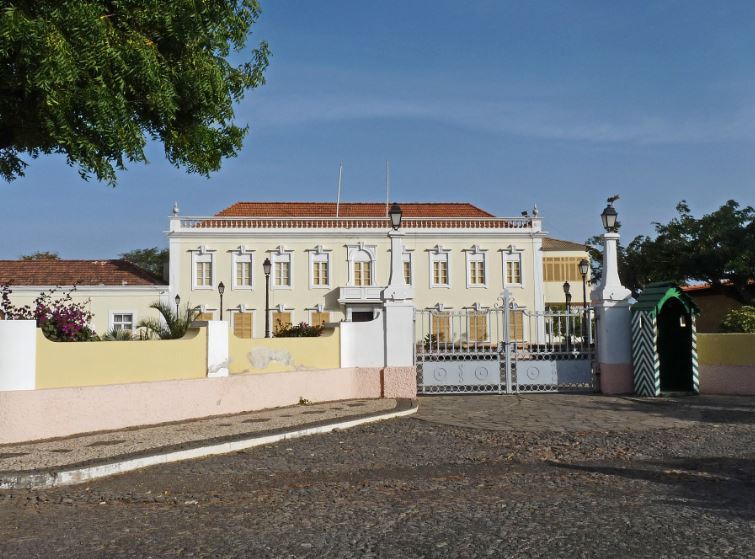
(527, 119)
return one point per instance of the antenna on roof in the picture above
(387, 185)
(338, 197)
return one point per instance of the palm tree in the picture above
(173, 325)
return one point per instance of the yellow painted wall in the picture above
(68, 364)
(303, 353)
(726, 349)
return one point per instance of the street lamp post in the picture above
(221, 290)
(266, 267)
(567, 294)
(178, 302)
(584, 267)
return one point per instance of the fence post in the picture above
(18, 354)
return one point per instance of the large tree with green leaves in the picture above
(152, 259)
(717, 248)
(96, 79)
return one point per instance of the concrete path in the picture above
(84, 457)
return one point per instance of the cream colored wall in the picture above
(69, 364)
(102, 302)
(285, 354)
(300, 297)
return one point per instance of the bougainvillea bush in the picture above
(301, 330)
(61, 319)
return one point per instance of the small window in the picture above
(203, 273)
(440, 270)
(407, 264)
(477, 270)
(512, 269)
(282, 271)
(242, 324)
(362, 268)
(320, 270)
(242, 273)
(123, 321)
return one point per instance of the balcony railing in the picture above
(187, 224)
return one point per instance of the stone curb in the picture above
(67, 475)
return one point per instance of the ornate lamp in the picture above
(221, 290)
(395, 214)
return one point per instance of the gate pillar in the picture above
(398, 310)
(612, 302)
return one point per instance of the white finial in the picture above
(175, 208)
(535, 211)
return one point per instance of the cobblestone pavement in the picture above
(460, 480)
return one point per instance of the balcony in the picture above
(360, 295)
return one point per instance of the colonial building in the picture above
(116, 292)
(330, 262)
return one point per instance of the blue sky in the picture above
(500, 103)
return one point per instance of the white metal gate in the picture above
(504, 350)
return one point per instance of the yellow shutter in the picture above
(320, 318)
(281, 319)
(516, 325)
(242, 324)
(478, 327)
(441, 327)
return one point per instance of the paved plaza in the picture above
(520, 476)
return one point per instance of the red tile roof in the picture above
(79, 272)
(350, 209)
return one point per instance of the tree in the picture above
(172, 325)
(94, 79)
(151, 259)
(717, 248)
(41, 255)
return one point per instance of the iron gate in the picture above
(504, 350)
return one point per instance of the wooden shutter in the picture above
(281, 319)
(204, 316)
(478, 327)
(441, 326)
(320, 318)
(242, 324)
(516, 325)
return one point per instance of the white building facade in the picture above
(331, 262)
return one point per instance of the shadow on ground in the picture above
(722, 485)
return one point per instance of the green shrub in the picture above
(301, 330)
(740, 320)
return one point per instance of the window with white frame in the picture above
(512, 268)
(362, 264)
(242, 270)
(476, 270)
(202, 273)
(282, 275)
(123, 321)
(439, 267)
(407, 267)
(319, 268)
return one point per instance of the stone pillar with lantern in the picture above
(398, 303)
(612, 302)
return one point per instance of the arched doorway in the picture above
(675, 347)
(664, 352)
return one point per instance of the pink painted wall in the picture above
(727, 379)
(616, 378)
(58, 412)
